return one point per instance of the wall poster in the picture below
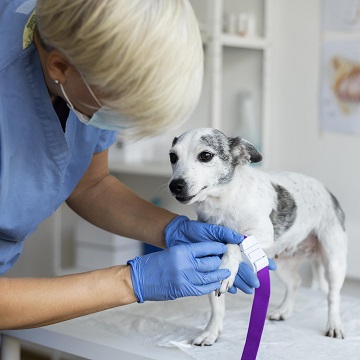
(340, 85)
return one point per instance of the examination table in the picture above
(161, 330)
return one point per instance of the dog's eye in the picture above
(173, 158)
(205, 156)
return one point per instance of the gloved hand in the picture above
(184, 270)
(182, 230)
(246, 280)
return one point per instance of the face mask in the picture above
(107, 119)
(104, 118)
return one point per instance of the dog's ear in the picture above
(243, 151)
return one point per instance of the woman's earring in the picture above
(56, 82)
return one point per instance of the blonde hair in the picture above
(145, 57)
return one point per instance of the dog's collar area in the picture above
(253, 255)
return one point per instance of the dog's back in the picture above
(304, 208)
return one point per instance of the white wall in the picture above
(295, 141)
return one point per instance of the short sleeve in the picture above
(106, 139)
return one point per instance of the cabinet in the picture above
(234, 97)
(236, 83)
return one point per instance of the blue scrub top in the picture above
(40, 165)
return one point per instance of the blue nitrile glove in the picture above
(182, 230)
(246, 280)
(184, 270)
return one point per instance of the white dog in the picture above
(292, 216)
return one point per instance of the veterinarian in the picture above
(73, 73)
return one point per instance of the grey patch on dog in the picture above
(283, 217)
(338, 210)
(178, 138)
(174, 141)
(217, 142)
(227, 178)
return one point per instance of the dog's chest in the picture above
(239, 207)
(231, 216)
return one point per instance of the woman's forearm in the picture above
(112, 206)
(30, 302)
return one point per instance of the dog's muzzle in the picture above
(177, 186)
(179, 189)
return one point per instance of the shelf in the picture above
(147, 168)
(236, 41)
(340, 35)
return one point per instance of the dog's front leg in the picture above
(215, 324)
(263, 231)
(230, 260)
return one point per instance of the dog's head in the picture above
(205, 159)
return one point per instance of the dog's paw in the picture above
(230, 260)
(206, 338)
(334, 330)
(225, 285)
(280, 314)
(335, 333)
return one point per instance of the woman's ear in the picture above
(57, 65)
(243, 151)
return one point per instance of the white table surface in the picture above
(75, 338)
(147, 331)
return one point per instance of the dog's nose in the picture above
(177, 186)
